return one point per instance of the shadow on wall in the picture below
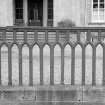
(66, 24)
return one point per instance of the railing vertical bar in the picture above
(99, 35)
(46, 36)
(35, 35)
(88, 36)
(30, 67)
(14, 35)
(41, 65)
(78, 36)
(52, 65)
(57, 36)
(94, 66)
(4, 36)
(83, 66)
(67, 36)
(25, 36)
(62, 65)
(0, 65)
(104, 65)
(20, 65)
(72, 65)
(9, 66)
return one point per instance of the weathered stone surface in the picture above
(94, 94)
(94, 103)
(54, 96)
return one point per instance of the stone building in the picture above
(50, 12)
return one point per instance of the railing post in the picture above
(52, 65)
(57, 36)
(72, 65)
(14, 36)
(94, 66)
(25, 36)
(41, 65)
(9, 66)
(83, 65)
(78, 36)
(67, 36)
(30, 67)
(20, 65)
(62, 65)
(88, 36)
(0, 65)
(4, 35)
(46, 36)
(99, 35)
(35, 36)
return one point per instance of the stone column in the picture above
(25, 11)
(45, 12)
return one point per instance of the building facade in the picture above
(50, 12)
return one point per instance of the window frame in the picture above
(18, 21)
(98, 20)
(50, 13)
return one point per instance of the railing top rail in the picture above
(10, 28)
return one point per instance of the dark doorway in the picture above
(35, 12)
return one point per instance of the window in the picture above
(50, 12)
(18, 11)
(98, 11)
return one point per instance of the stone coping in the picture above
(50, 87)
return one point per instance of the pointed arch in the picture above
(99, 64)
(36, 64)
(67, 64)
(78, 65)
(88, 70)
(25, 65)
(57, 64)
(46, 64)
(15, 65)
(4, 65)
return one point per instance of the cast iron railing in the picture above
(30, 36)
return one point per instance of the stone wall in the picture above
(53, 95)
(6, 13)
(70, 9)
